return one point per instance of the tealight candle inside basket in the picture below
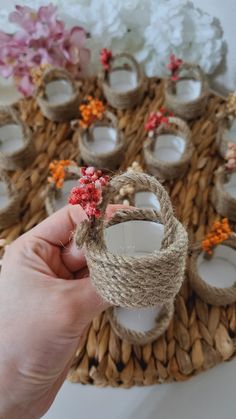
(169, 148)
(104, 139)
(135, 238)
(188, 90)
(231, 132)
(58, 91)
(220, 270)
(8, 92)
(122, 80)
(61, 198)
(4, 196)
(11, 138)
(230, 186)
(146, 200)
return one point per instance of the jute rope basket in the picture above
(10, 214)
(191, 109)
(169, 170)
(52, 193)
(129, 281)
(59, 112)
(130, 98)
(105, 160)
(222, 140)
(24, 156)
(210, 294)
(224, 203)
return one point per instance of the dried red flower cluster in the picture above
(155, 119)
(105, 57)
(174, 66)
(89, 192)
(219, 233)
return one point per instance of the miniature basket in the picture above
(127, 281)
(52, 193)
(58, 112)
(12, 212)
(191, 109)
(24, 156)
(130, 98)
(108, 160)
(210, 294)
(223, 202)
(221, 137)
(169, 170)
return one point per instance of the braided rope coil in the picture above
(169, 170)
(104, 160)
(211, 295)
(24, 156)
(130, 98)
(191, 109)
(223, 202)
(129, 281)
(61, 112)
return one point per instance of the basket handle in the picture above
(93, 232)
(194, 68)
(130, 60)
(54, 73)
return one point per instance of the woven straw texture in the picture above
(200, 335)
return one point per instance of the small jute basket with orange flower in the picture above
(68, 108)
(136, 281)
(22, 157)
(11, 213)
(225, 120)
(123, 99)
(187, 109)
(221, 234)
(165, 170)
(61, 171)
(223, 202)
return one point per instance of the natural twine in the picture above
(10, 214)
(222, 140)
(130, 98)
(65, 111)
(108, 160)
(209, 294)
(169, 170)
(129, 281)
(191, 109)
(24, 156)
(223, 202)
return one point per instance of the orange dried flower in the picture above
(58, 173)
(91, 110)
(219, 233)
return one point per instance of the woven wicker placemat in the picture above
(200, 336)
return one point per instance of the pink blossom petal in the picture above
(25, 86)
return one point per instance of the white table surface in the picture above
(210, 395)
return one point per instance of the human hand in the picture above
(43, 313)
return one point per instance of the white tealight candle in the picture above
(231, 132)
(122, 80)
(169, 148)
(61, 199)
(58, 91)
(8, 92)
(135, 238)
(4, 197)
(230, 186)
(188, 90)
(104, 139)
(11, 138)
(220, 270)
(146, 200)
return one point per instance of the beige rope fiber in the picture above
(224, 203)
(169, 170)
(62, 112)
(191, 109)
(24, 156)
(104, 160)
(130, 98)
(12, 212)
(209, 294)
(128, 281)
(222, 140)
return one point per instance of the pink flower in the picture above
(174, 66)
